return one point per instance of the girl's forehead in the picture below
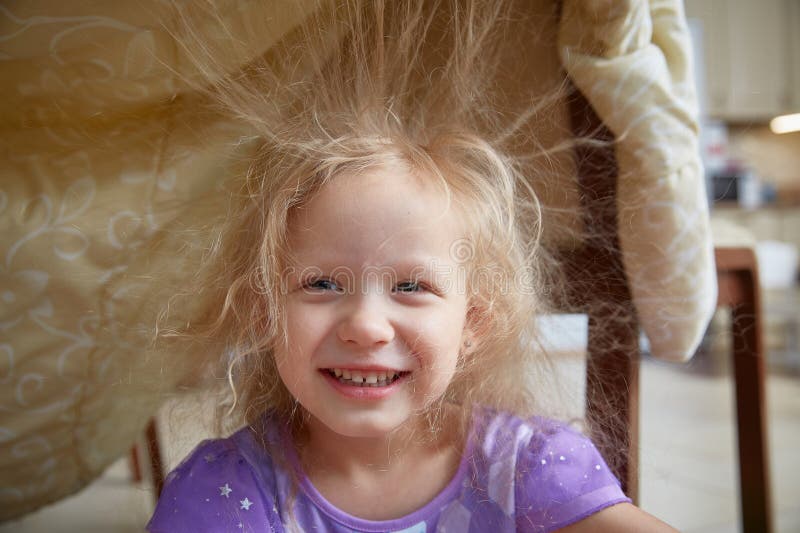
(374, 214)
(377, 198)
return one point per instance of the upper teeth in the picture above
(360, 376)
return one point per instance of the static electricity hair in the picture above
(355, 86)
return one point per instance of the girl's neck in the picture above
(382, 478)
(325, 450)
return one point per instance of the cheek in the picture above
(440, 374)
(295, 351)
(445, 329)
(293, 371)
(303, 325)
(438, 342)
(287, 365)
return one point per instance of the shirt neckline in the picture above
(334, 513)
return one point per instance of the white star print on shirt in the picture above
(246, 504)
(225, 490)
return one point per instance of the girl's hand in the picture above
(620, 518)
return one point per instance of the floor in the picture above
(688, 450)
(688, 475)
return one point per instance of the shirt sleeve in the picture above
(213, 490)
(562, 479)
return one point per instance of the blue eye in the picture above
(321, 284)
(408, 287)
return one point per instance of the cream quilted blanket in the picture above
(633, 62)
(100, 162)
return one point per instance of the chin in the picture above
(366, 426)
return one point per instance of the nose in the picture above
(366, 324)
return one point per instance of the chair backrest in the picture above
(600, 289)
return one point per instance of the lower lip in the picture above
(363, 393)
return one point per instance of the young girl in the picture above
(374, 291)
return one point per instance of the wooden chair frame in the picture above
(612, 376)
(154, 460)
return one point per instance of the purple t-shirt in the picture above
(515, 475)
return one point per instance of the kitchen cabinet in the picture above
(793, 19)
(751, 57)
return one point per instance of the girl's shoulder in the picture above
(499, 433)
(558, 475)
(220, 486)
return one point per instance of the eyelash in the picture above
(314, 285)
(415, 284)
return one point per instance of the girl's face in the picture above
(375, 313)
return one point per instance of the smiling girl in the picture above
(378, 286)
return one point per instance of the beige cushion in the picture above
(633, 62)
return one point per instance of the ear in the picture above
(476, 327)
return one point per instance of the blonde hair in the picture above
(358, 85)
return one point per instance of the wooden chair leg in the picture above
(738, 289)
(133, 461)
(154, 451)
(751, 424)
(612, 401)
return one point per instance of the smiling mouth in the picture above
(361, 378)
